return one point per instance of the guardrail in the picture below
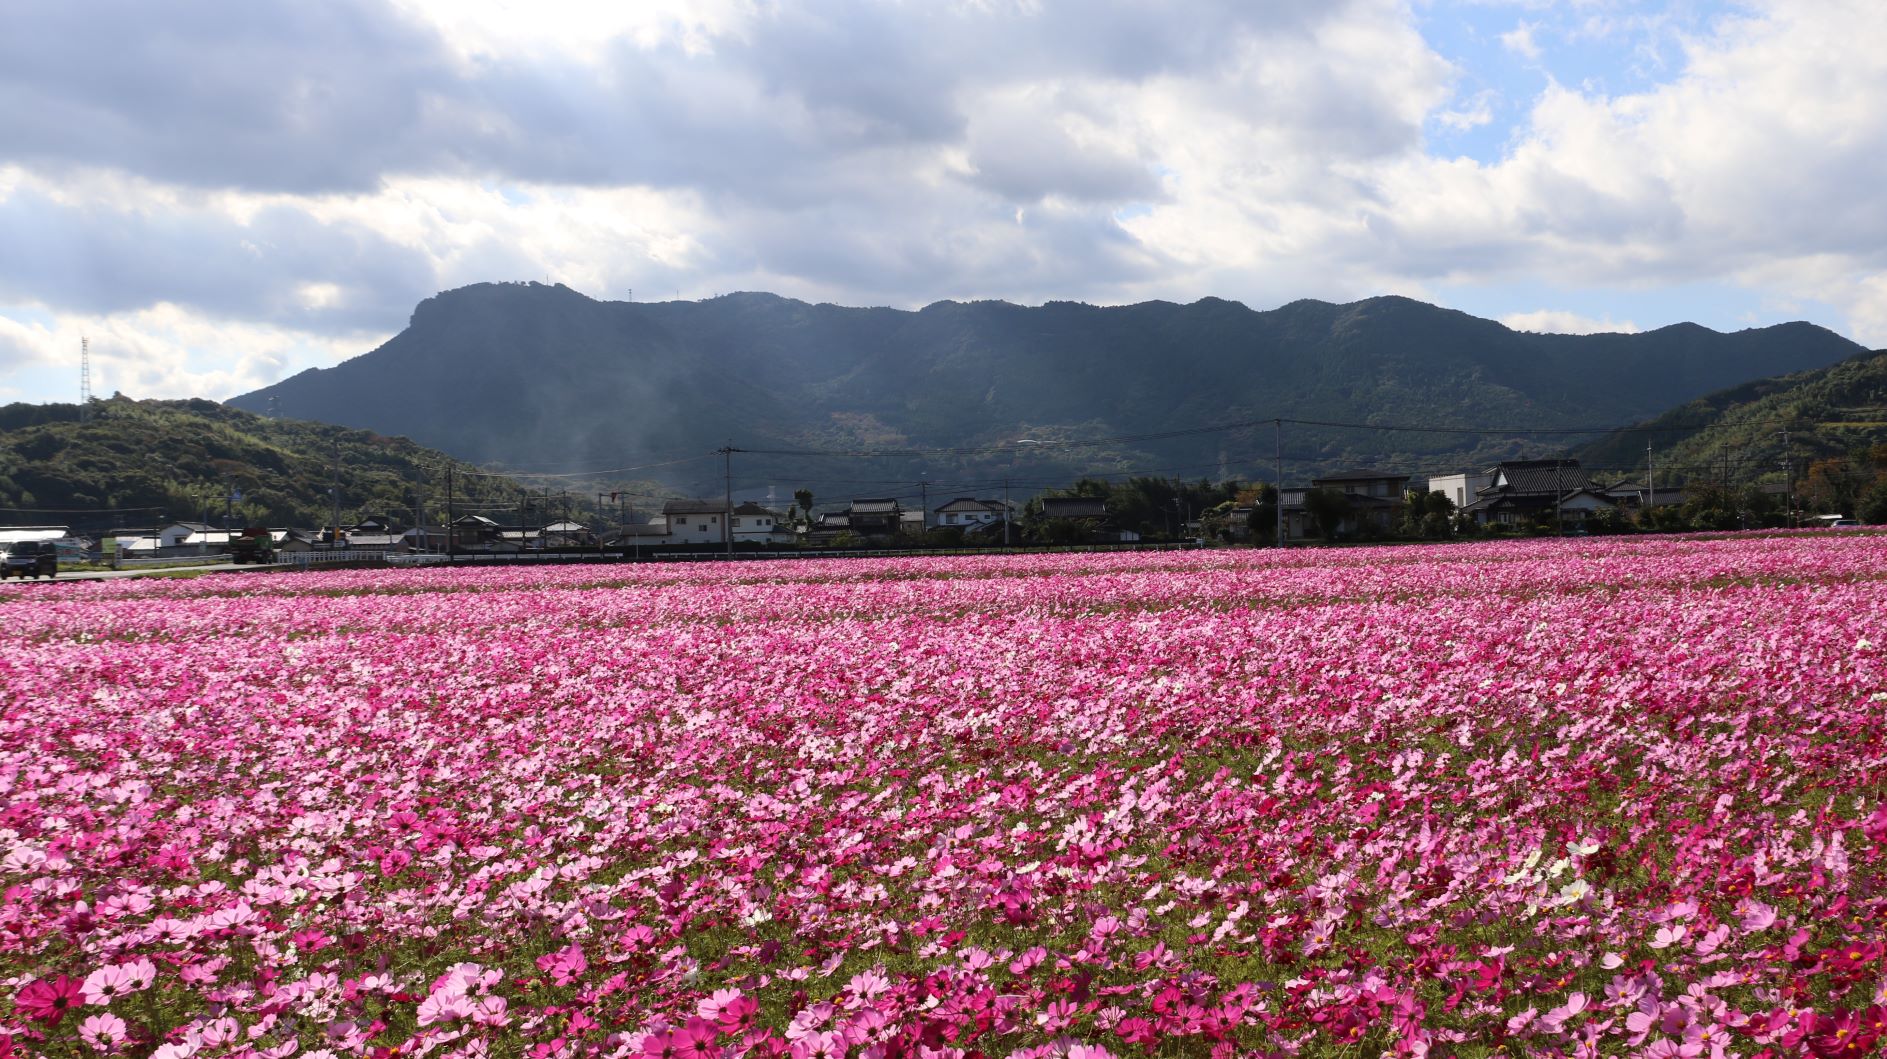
(357, 556)
(416, 559)
(304, 560)
(652, 555)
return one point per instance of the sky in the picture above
(221, 194)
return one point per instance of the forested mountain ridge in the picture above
(1831, 422)
(540, 376)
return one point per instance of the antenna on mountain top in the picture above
(85, 379)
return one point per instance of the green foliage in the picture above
(1264, 517)
(1428, 515)
(1839, 411)
(1152, 507)
(139, 461)
(1873, 507)
(1608, 521)
(1326, 508)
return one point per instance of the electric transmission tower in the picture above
(85, 379)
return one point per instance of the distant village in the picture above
(1553, 495)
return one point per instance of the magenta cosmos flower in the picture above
(48, 999)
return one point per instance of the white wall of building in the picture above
(1460, 488)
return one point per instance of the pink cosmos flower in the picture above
(696, 1040)
(444, 1007)
(1754, 915)
(710, 1007)
(48, 999)
(490, 1011)
(820, 1046)
(738, 1013)
(103, 1032)
(565, 965)
(107, 983)
(1668, 936)
(218, 1032)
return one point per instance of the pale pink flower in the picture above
(106, 984)
(103, 1032)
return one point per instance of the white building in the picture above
(751, 522)
(968, 512)
(1460, 488)
(696, 521)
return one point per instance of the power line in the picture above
(82, 510)
(1245, 424)
(587, 474)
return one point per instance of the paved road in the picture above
(110, 575)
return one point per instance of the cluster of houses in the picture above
(1512, 493)
(712, 522)
(698, 522)
(182, 540)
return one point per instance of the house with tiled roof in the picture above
(876, 516)
(1529, 492)
(759, 524)
(970, 513)
(1073, 507)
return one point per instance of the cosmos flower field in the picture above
(1619, 797)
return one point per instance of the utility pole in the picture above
(452, 531)
(1559, 491)
(727, 516)
(1651, 481)
(923, 497)
(1788, 476)
(334, 491)
(1005, 512)
(1278, 426)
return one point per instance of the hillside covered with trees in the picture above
(1831, 422)
(136, 462)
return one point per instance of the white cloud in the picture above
(327, 166)
(1474, 112)
(168, 351)
(1561, 322)
(1519, 40)
(1752, 166)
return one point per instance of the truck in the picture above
(253, 545)
(30, 559)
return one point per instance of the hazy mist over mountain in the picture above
(540, 377)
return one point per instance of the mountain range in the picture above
(962, 396)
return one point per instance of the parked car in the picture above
(30, 558)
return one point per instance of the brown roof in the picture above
(1074, 507)
(1359, 476)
